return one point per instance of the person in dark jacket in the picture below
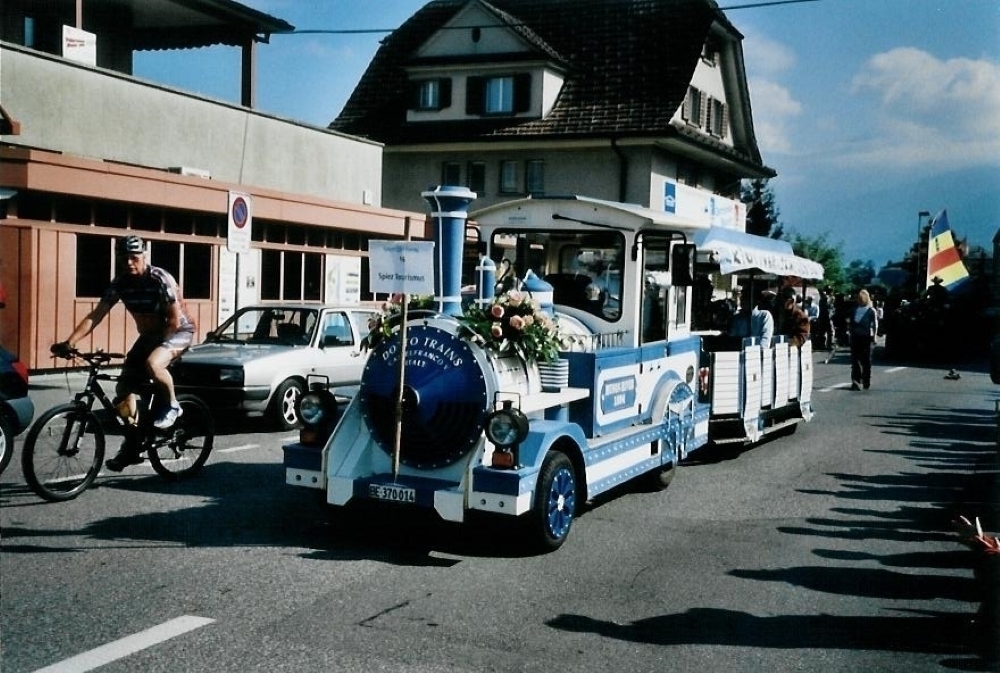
(792, 320)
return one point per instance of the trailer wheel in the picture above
(555, 503)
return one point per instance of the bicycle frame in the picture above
(141, 433)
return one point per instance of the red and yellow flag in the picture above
(943, 260)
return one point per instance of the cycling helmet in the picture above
(130, 245)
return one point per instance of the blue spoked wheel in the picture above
(555, 502)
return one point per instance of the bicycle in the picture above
(64, 450)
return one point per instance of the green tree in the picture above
(762, 208)
(830, 257)
(860, 273)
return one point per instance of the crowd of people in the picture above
(827, 321)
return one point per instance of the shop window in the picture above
(146, 219)
(167, 256)
(72, 210)
(93, 265)
(34, 206)
(177, 222)
(270, 274)
(197, 271)
(313, 277)
(291, 276)
(110, 214)
(210, 225)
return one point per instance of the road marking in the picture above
(119, 649)
(832, 388)
(839, 386)
(242, 447)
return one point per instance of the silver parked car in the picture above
(258, 361)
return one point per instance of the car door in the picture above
(341, 358)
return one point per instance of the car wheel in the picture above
(283, 405)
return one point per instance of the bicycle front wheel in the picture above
(188, 441)
(63, 452)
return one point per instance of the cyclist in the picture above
(154, 299)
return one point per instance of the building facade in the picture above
(89, 153)
(637, 101)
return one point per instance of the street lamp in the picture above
(920, 216)
(921, 254)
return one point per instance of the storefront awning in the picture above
(735, 251)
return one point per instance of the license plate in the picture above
(391, 493)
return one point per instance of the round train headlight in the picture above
(507, 426)
(316, 407)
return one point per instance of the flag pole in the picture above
(397, 440)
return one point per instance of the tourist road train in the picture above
(475, 419)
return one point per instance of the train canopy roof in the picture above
(734, 251)
(738, 252)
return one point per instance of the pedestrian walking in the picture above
(864, 327)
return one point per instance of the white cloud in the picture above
(774, 106)
(927, 110)
(774, 110)
(766, 57)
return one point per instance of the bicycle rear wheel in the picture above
(188, 443)
(63, 452)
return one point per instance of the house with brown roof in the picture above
(638, 101)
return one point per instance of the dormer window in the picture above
(432, 94)
(499, 95)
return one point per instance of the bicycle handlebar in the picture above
(97, 357)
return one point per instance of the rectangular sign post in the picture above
(401, 267)
(240, 216)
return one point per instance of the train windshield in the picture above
(584, 268)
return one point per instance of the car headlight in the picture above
(507, 426)
(231, 375)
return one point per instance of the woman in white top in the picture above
(864, 327)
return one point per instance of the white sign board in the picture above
(343, 280)
(401, 267)
(703, 207)
(79, 45)
(240, 214)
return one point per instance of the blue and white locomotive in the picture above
(442, 422)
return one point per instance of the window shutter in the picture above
(709, 106)
(474, 92)
(522, 92)
(686, 106)
(703, 122)
(445, 93)
(725, 121)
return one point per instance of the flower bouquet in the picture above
(380, 327)
(513, 323)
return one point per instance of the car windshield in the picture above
(268, 325)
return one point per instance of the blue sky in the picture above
(869, 110)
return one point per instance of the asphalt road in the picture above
(830, 550)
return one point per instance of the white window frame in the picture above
(499, 95)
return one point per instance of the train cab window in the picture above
(583, 267)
